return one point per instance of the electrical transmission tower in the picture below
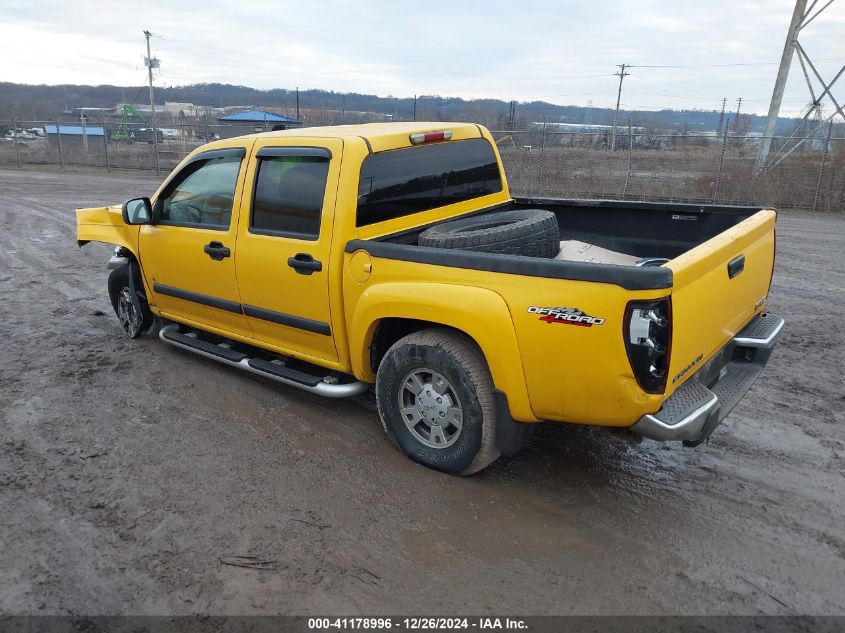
(806, 128)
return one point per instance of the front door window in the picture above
(202, 194)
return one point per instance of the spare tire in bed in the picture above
(530, 232)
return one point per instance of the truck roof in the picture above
(378, 136)
(371, 131)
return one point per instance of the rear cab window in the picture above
(403, 182)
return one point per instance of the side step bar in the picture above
(324, 386)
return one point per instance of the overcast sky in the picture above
(561, 52)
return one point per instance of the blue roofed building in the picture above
(252, 121)
(72, 135)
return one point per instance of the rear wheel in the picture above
(134, 316)
(435, 399)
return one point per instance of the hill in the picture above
(42, 102)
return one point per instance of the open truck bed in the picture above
(714, 284)
(642, 229)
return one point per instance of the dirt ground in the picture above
(131, 472)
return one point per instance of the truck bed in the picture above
(641, 229)
(720, 262)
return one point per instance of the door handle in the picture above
(736, 266)
(216, 251)
(304, 264)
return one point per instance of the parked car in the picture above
(146, 135)
(392, 256)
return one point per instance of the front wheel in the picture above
(435, 399)
(134, 316)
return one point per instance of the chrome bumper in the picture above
(697, 407)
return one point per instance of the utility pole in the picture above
(297, 103)
(152, 63)
(780, 84)
(736, 119)
(621, 74)
(415, 107)
(722, 115)
(84, 120)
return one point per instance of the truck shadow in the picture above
(560, 457)
(566, 453)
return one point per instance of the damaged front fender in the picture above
(105, 224)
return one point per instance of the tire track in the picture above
(29, 256)
(15, 212)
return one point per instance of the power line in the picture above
(696, 98)
(644, 107)
(828, 59)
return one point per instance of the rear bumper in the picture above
(696, 408)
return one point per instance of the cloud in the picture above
(560, 52)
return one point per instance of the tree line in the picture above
(43, 102)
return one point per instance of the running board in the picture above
(327, 386)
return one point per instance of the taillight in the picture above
(648, 340)
(430, 137)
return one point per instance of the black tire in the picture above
(119, 284)
(530, 232)
(458, 360)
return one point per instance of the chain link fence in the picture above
(111, 146)
(674, 168)
(541, 161)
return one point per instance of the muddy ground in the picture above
(130, 471)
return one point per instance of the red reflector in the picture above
(430, 137)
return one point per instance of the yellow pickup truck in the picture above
(335, 259)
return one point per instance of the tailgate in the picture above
(718, 287)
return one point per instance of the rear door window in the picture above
(406, 181)
(289, 192)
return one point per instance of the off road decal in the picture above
(566, 316)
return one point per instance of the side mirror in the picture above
(138, 211)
